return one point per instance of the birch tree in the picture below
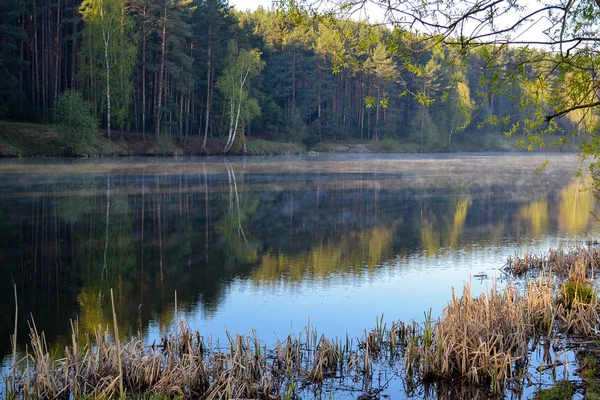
(108, 45)
(235, 84)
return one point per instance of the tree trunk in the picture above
(233, 126)
(294, 80)
(57, 53)
(106, 38)
(187, 115)
(36, 61)
(208, 89)
(180, 122)
(74, 49)
(144, 11)
(362, 113)
(319, 108)
(376, 136)
(161, 72)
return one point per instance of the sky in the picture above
(375, 15)
(243, 5)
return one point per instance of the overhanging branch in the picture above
(568, 110)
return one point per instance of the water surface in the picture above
(267, 243)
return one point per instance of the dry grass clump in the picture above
(482, 339)
(577, 300)
(487, 340)
(558, 261)
(91, 368)
(243, 372)
(520, 266)
(183, 365)
(327, 360)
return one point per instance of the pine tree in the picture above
(11, 66)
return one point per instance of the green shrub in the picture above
(389, 145)
(575, 291)
(77, 126)
(563, 390)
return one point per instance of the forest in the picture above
(181, 69)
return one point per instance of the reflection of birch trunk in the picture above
(160, 243)
(142, 243)
(233, 191)
(205, 213)
(105, 267)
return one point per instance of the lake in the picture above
(235, 244)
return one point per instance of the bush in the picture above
(389, 145)
(78, 127)
(576, 292)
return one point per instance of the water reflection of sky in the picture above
(401, 289)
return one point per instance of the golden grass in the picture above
(560, 261)
(486, 340)
(482, 339)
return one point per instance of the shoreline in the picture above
(35, 140)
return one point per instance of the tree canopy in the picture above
(423, 75)
(549, 49)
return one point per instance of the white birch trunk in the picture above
(233, 126)
(106, 40)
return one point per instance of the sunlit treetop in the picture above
(549, 48)
(563, 26)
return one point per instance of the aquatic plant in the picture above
(559, 262)
(574, 292)
(562, 390)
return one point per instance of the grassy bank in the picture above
(463, 142)
(489, 344)
(30, 140)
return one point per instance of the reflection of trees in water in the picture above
(350, 254)
(442, 225)
(236, 210)
(536, 214)
(576, 204)
(195, 233)
(573, 206)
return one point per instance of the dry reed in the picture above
(558, 261)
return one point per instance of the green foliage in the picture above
(389, 145)
(576, 292)
(11, 65)
(590, 373)
(236, 85)
(562, 390)
(107, 57)
(165, 146)
(78, 126)
(312, 78)
(263, 147)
